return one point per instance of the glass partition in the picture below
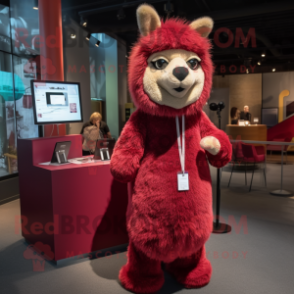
(8, 162)
(25, 71)
(25, 27)
(5, 40)
(19, 50)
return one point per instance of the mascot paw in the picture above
(135, 283)
(192, 272)
(210, 144)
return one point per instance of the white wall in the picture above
(109, 81)
(112, 104)
(122, 81)
(273, 84)
(218, 95)
(97, 67)
(76, 54)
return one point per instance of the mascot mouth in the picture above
(179, 89)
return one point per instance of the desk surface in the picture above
(264, 142)
(252, 132)
(252, 125)
(73, 166)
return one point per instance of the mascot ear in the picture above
(203, 26)
(148, 19)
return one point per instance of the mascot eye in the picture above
(193, 63)
(160, 63)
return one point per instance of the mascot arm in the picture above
(215, 142)
(129, 149)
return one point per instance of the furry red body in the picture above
(163, 223)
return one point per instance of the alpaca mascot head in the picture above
(170, 70)
(170, 76)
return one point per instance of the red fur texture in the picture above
(163, 223)
(193, 271)
(138, 266)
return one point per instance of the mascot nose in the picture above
(180, 72)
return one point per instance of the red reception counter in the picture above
(75, 209)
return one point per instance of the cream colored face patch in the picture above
(174, 78)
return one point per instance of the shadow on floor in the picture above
(109, 267)
(14, 265)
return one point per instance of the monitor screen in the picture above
(56, 102)
(269, 116)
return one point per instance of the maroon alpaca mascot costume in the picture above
(170, 76)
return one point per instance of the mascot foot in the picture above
(192, 272)
(141, 274)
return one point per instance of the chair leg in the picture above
(286, 157)
(264, 173)
(231, 174)
(245, 173)
(252, 177)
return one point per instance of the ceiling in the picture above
(270, 22)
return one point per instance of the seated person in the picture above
(91, 132)
(103, 126)
(235, 115)
(246, 115)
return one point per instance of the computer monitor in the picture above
(269, 116)
(56, 102)
(60, 152)
(104, 149)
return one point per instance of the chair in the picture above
(291, 148)
(237, 158)
(251, 156)
(279, 147)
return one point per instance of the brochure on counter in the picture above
(81, 160)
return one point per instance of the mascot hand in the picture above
(210, 144)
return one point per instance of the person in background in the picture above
(235, 115)
(91, 132)
(246, 115)
(104, 128)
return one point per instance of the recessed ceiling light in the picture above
(263, 54)
(36, 5)
(88, 36)
(273, 70)
(83, 22)
(258, 63)
(73, 36)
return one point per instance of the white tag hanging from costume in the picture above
(183, 176)
(183, 181)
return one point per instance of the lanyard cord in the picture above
(181, 147)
